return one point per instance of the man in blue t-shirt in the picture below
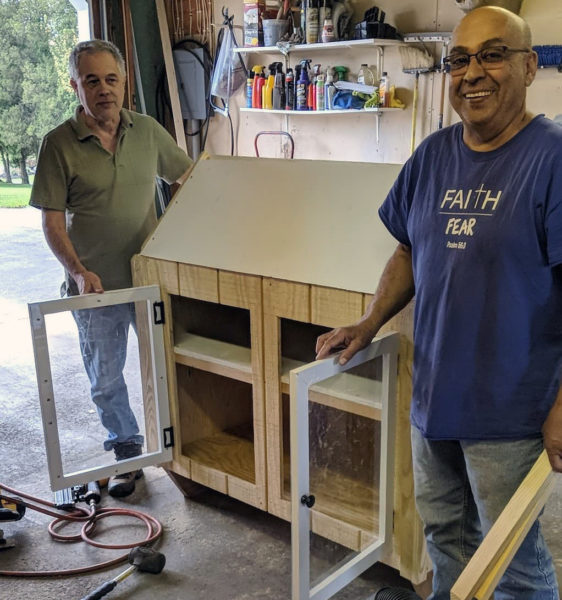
(477, 212)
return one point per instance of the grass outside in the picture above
(14, 195)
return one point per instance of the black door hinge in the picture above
(158, 312)
(168, 437)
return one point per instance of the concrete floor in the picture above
(215, 547)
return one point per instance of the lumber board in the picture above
(171, 74)
(502, 541)
(333, 308)
(200, 283)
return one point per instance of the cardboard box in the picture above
(253, 27)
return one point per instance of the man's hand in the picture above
(552, 432)
(351, 339)
(88, 282)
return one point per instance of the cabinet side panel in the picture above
(147, 271)
(286, 299)
(198, 282)
(334, 308)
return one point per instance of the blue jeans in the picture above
(103, 333)
(461, 488)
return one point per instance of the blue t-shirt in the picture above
(485, 229)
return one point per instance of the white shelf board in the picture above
(342, 45)
(351, 393)
(214, 356)
(342, 111)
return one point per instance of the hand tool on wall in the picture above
(415, 61)
(143, 559)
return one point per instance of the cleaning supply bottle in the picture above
(312, 22)
(260, 85)
(384, 91)
(341, 72)
(249, 89)
(289, 90)
(267, 98)
(302, 86)
(298, 69)
(365, 75)
(311, 97)
(279, 88)
(256, 70)
(327, 23)
(329, 89)
(320, 92)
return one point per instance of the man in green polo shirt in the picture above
(95, 184)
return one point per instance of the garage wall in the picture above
(353, 137)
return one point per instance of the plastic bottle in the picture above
(302, 87)
(298, 69)
(256, 70)
(320, 92)
(267, 99)
(384, 90)
(329, 89)
(341, 72)
(260, 85)
(279, 88)
(289, 90)
(312, 22)
(365, 75)
(327, 23)
(249, 89)
(311, 98)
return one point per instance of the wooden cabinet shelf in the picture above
(225, 452)
(214, 356)
(350, 393)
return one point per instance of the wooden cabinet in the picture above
(245, 302)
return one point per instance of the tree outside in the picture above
(36, 37)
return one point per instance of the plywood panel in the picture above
(279, 233)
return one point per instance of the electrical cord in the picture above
(89, 518)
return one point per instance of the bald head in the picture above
(512, 26)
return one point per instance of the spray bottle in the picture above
(329, 89)
(279, 88)
(311, 99)
(267, 92)
(320, 92)
(298, 69)
(289, 90)
(302, 86)
(341, 73)
(249, 88)
(257, 72)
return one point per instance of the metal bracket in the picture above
(168, 437)
(158, 312)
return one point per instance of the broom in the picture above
(415, 61)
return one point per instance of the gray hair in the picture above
(93, 47)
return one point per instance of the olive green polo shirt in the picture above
(108, 198)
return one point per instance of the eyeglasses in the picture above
(488, 58)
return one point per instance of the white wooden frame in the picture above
(301, 379)
(37, 312)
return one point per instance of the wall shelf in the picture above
(342, 111)
(342, 45)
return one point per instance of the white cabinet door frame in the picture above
(163, 451)
(301, 379)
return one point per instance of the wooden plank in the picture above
(209, 477)
(333, 308)
(171, 74)
(336, 530)
(239, 290)
(286, 299)
(214, 356)
(245, 492)
(492, 557)
(188, 488)
(155, 271)
(200, 283)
